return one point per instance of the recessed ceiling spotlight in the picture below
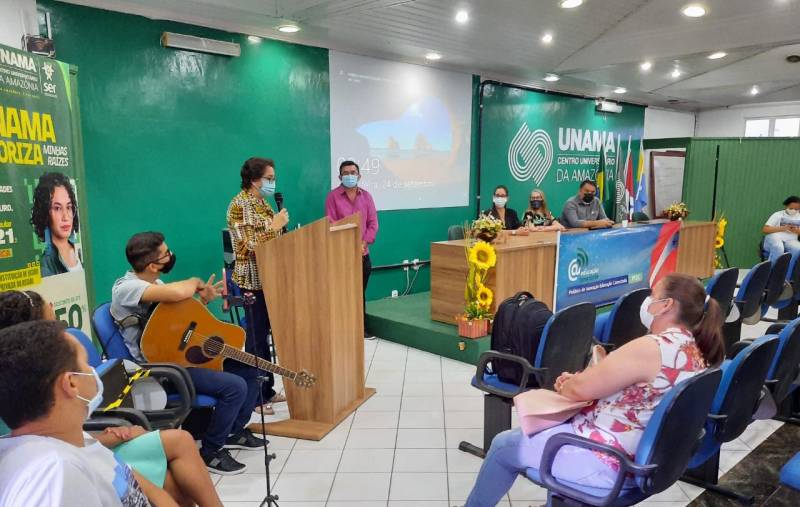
(717, 55)
(433, 56)
(547, 38)
(754, 90)
(551, 78)
(289, 28)
(570, 4)
(676, 73)
(254, 39)
(645, 66)
(462, 17)
(620, 90)
(694, 11)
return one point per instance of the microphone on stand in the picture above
(279, 205)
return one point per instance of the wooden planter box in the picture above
(472, 328)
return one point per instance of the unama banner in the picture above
(600, 266)
(532, 139)
(41, 187)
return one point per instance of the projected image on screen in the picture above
(407, 127)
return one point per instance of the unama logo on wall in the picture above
(531, 155)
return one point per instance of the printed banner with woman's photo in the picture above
(40, 167)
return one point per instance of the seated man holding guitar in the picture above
(236, 388)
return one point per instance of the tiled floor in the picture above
(401, 447)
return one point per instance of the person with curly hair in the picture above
(54, 217)
(23, 306)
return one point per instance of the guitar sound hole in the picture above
(213, 346)
(195, 355)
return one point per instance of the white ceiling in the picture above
(596, 48)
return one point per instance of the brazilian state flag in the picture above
(605, 186)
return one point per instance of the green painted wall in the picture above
(165, 133)
(755, 176)
(508, 111)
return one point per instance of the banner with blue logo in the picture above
(600, 266)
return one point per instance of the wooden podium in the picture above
(312, 284)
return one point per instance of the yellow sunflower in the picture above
(719, 242)
(484, 296)
(483, 255)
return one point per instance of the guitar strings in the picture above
(216, 347)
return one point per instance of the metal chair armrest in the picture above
(559, 440)
(184, 389)
(527, 371)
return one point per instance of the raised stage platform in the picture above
(407, 320)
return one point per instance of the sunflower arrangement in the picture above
(486, 228)
(719, 243)
(676, 210)
(481, 257)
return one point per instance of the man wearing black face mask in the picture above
(235, 389)
(585, 209)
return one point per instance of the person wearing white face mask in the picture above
(782, 228)
(501, 211)
(48, 391)
(684, 338)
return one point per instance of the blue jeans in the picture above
(513, 452)
(776, 247)
(236, 391)
(257, 342)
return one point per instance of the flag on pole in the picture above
(600, 177)
(629, 182)
(624, 188)
(640, 205)
(613, 182)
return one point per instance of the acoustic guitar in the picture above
(186, 333)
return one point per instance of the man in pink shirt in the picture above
(347, 199)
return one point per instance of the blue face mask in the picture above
(95, 402)
(350, 180)
(267, 188)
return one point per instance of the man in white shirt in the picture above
(47, 390)
(782, 228)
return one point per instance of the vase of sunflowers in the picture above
(475, 320)
(486, 228)
(720, 257)
(676, 211)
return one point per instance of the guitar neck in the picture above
(257, 362)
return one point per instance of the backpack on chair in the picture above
(517, 328)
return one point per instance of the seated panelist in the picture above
(585, 209)
(683, 340)
(499, 210)
(538, 216)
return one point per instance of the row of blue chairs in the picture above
(719, 404)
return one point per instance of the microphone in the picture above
(279, 205)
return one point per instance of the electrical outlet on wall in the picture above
(395, 293)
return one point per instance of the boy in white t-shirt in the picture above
(47, 389)
(782, 228)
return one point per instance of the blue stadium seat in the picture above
(737, 398)
(778, 287)
(564, 346)
(668, 442)
(748, 302)
(721, 288)
(790, 473)
(622, 323)
(175, 379)
(787, 305)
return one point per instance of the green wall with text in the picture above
(165, 133)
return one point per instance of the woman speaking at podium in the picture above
(251, 221)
